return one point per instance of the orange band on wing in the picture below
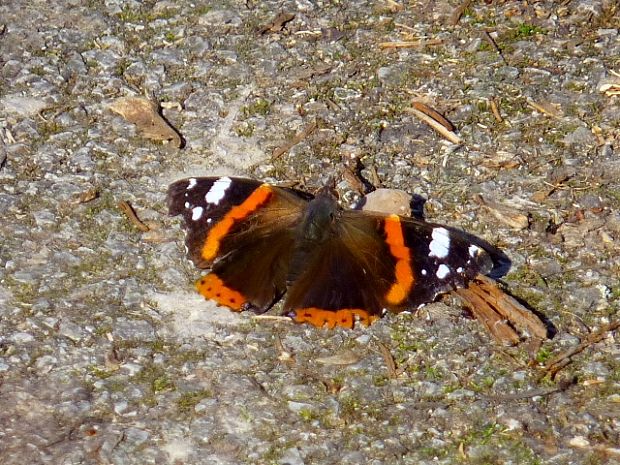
(331, 318)
(212, 287)
(402, 272)
(259, 197)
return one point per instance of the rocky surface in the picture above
(108, 356)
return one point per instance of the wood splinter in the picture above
(131, 215)
(435, 120)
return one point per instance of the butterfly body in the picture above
(332, 266)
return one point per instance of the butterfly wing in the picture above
(374, 262)
(244, 231)
(342, 278)
(441, 259)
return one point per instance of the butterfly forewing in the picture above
(244, 231)
(443, 259)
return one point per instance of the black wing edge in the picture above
(175, 196)
(500, 262)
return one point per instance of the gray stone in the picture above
(71, 330)
(388, 201)
(139, 330)
(219, 18)
(580, 136)
(23, 105)
(21, 337)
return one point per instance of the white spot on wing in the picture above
(423, 272)
(459, 269)
(186, 204)
(218, 190)
(191, 184)
(442, 271)
(209, 220)
(440, 245)
(196, 213)
(474, 250)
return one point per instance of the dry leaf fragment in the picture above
(86, 196)
(610, 85)
(390, 363)
(505, 214)
(145, 115)
(392, 6)
(277, 24)
(495, 110)
(547, 108)
(424, 108)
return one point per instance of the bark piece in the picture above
(504, 317)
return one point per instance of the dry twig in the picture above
(279, 151)
(495, 110)
(562, 386)
(401, 44)
(440, 125)
(410, 43)
(131, 215)
(458, 13)
(393, 372)
(491, 41)
(554, 365)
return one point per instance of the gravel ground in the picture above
(108, 356)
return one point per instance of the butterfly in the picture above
(333, 267)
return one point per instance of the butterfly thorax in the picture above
(317, 224)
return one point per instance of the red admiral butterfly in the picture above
(335, 266)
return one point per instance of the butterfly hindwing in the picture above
(244, 231)
(342, 279)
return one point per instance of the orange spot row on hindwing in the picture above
(212, 287)
(259, 197)
(330, 318)
(402, 271)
